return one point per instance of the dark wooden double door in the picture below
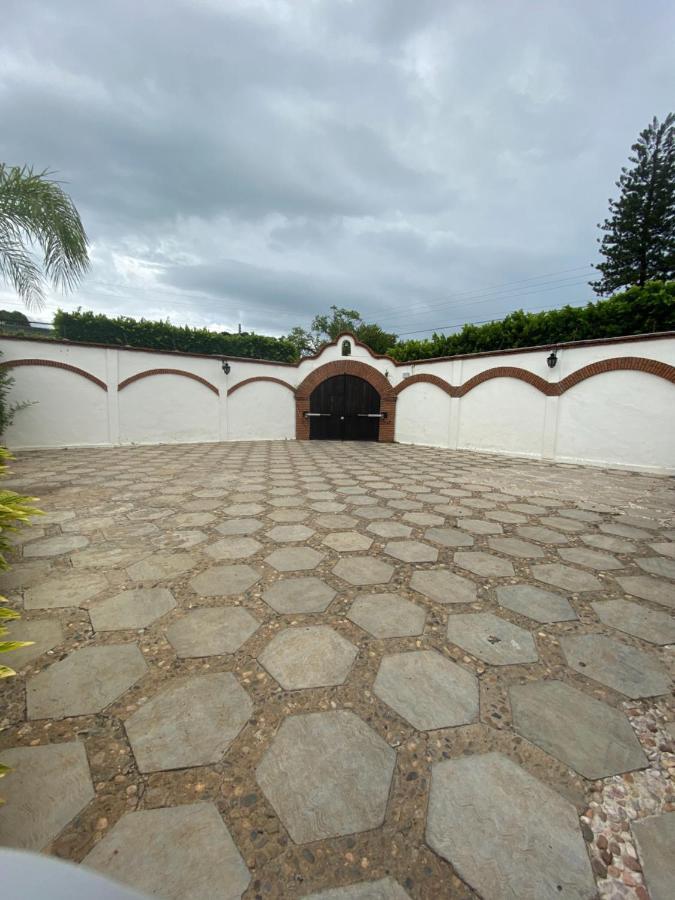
(344, 408)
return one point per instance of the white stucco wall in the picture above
(620, 418)
(505, 416)
(262, 411)
(423, 415)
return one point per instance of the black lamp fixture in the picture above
(552, 359)
(226, 367)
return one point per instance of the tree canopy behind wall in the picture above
(635, 311)
(99, 329)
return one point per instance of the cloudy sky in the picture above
(255, 161)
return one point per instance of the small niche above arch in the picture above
(346, 348)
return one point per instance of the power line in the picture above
(506, 287)
(479, 298)
(477, 321)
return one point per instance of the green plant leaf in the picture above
(6, 672)
(6, 646)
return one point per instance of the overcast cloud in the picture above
(256, 161)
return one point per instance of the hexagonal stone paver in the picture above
(179, 852)
(245, 510)
(443, 586)
(233, 548)
(387, 615)
(411, 551)
(224, 581)
(427, 690)
(656, 565)
(512, 546)
(390, 529)
(239, 526)
(294, 559)
(134, 608)
(335, 520)
(361, 570)
(655, 839)
(480, 526)
(383, 889)
(566, 577)
(506, 833)
(49, 786)
(625, 669)
(492, 639)
(484, 564)
(628, 531)
(535, 603)
(85, 682)
(449, 537)
(190, 723)
(607, 542)
(299, 595)
(44, 634)
(592, 559)
(648, 624)
(649, 589)
(327, 774)
(373, 512)
(308, 657)
(665, 548)
(345, 541)
(69, 589)
(542, 535)
(211, 631)
(161, 566)
(587, 735)
(289, 533)
(58, 545)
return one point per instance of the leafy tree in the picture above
(36, 211)
(635, 311)
(339, 320)
(639, 236)
(14, 317)
(83, 325)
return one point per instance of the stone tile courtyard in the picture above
(286, 670)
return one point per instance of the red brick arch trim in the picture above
(54, 364)
(536, 381)
(150, 372)
(618, 364)
(550, 389)
(246, 381)
(427, 379)
(346, 367)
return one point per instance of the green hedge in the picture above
(635, 311)
(99, 329)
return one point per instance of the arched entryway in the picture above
(344, 408)
(345, 400)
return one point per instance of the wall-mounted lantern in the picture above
(346, 348)
(552, 359)
(226, 367)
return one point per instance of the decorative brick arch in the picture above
(425, 378)
(618, 364)
(150, 372)
(246, 381)
(54, 364)
(346, 367)
(546, 387)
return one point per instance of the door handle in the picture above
(317, 414)
(372, 415)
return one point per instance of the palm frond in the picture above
(35, 210)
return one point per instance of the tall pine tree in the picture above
(639, 236)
